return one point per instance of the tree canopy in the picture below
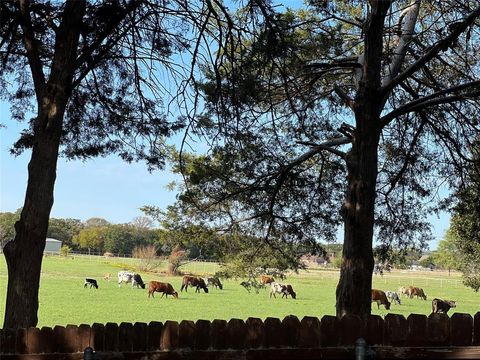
(465, 222)
(100, 78)
(340, 112)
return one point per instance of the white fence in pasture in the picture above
(396, 278)
(195, 266)
(421, 281)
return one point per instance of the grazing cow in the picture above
(275, 288)
(214, 281)
(266, 279)
(107, 276)
(380, 298)
(415, 291)
(164, 288)
(198, 282)
(126, 277)
(442, 306)
(285, 290)
(91, 282)
(393, 296)
(288, 290)
(402, 290)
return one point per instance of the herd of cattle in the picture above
(383, 297)
(198, 283)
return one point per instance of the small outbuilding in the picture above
(53, 245)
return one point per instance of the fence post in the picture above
(360, 349)
(89, 354)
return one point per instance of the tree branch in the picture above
(31, 45)
(413, 143)
(344, 96)
(410, 15)
(434, 99)
(456, 30)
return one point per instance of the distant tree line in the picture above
(98, 235)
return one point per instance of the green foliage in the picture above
(199, 240)
(281, 90)
(337, 261)
(96, 222)
(116, 110)
(465, 222)
(249, 257)
(115, 238)
(64, 230)
(404, 258)
(7, 229)
(241, 255)
(91, 238)
(447, 255)
(65, 250)
(426, 262)
(60, 229)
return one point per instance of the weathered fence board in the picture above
(435, 336)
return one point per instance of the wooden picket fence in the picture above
(418, 336)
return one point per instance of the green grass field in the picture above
(63, 300)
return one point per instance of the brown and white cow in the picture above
(402, 290)
(285, 290)
(288, 290)
(442, 306)
(127, 277)
(198, 282)
(416, 291)
(380, 298)
(161, 287)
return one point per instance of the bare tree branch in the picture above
(456, 30)
(433, 99)
(32, 50)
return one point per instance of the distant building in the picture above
(53, 245)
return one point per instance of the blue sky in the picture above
(103, 187)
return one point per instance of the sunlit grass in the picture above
(64, 300)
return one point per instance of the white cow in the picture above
(393, 296)
(127, 276)
(275, 288)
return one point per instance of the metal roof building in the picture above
(53, 245)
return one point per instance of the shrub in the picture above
(148, 257)
(65, 250)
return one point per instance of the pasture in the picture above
(64, 300)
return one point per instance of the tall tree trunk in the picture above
(354, 287)
(353, 290)
(24, 254)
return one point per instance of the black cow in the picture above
(137, 280)
(442, 306)
(91, 282)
